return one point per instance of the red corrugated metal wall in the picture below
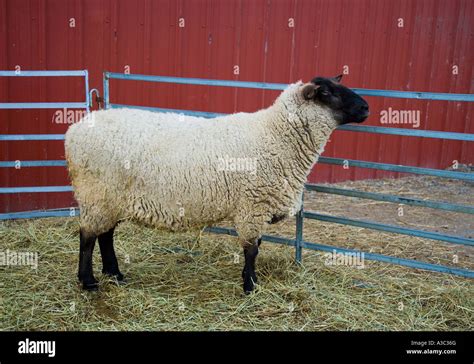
(256, 36)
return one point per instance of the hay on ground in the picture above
(192, 281)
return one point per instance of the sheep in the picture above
(176, 172)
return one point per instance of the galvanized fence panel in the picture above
(44, 137)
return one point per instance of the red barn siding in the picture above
(253, 35)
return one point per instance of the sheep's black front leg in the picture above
(248, 273)
(86, 249)
(109, 260)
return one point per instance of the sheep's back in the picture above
(164, 157)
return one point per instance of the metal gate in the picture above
(43, 137)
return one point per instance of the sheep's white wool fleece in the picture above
(177, 172)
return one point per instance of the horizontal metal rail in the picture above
(43, 73)
(42, 189)
(438, 96)
(196, 81)
(40, 214)
(369, 256)
(398, 168)
(389, 228)
(391, 198)
(408, 132)
(20, 164)
(44, 105)
(282, 86)
(14, 137)
(394, 260)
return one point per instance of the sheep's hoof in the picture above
(90, 285)
(249, 284)
(118, 277)
(249, 290)
(122, 281)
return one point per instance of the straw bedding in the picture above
(191, 281)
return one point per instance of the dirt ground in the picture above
(192, 281)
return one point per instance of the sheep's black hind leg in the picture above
(85, 273)
(248, 273)
(109, 260)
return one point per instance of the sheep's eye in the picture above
(325, 93)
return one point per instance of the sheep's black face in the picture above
(347, 106)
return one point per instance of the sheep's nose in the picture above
(364, 111)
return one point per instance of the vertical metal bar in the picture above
(86, 79)
(299, 232)
(106, 90)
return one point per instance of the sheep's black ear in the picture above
(337, 78)
(309, 91)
